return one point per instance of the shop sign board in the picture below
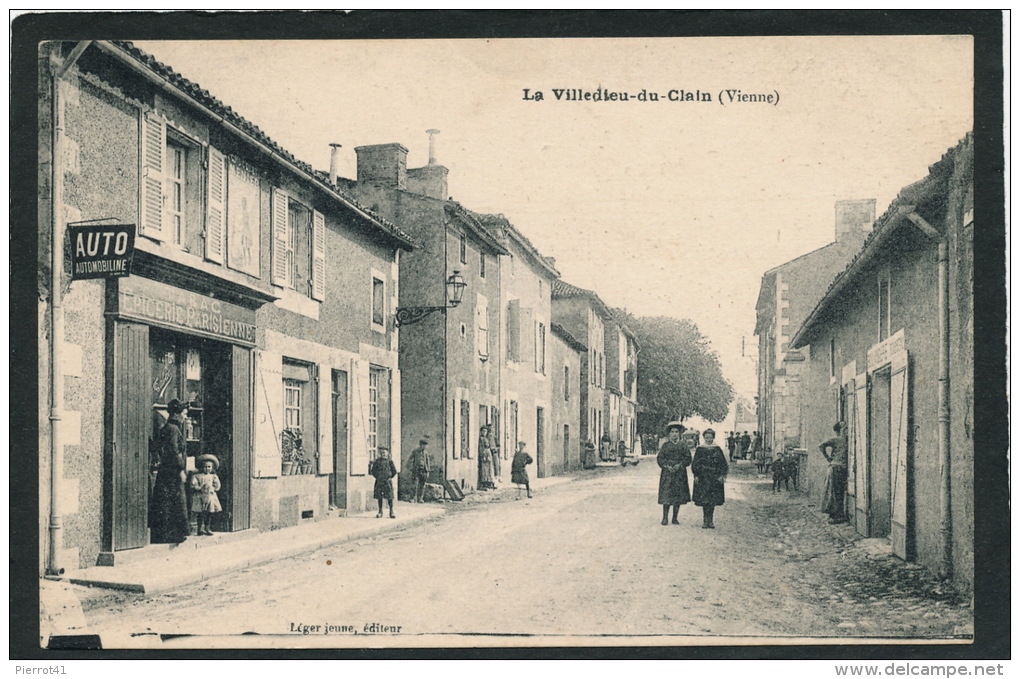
(101, 250)
(883, 352)
(157, 303)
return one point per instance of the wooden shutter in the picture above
(513, 330)
(359, 419)
(899, 439)
(318, 256)
(860, 442)
(241, 423)
(281, 240)
(132, 425)
(324, 417)
(153, 175)
(269, 397)
(396, 436)
(528, 332)
(216, 208)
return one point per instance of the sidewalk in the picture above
(199, 558)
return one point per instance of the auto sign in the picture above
(101, 250)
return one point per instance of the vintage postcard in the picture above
(500, 341)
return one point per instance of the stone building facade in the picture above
(258, 294)
(788, 293)
(892, 355)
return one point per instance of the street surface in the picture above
(583, 558)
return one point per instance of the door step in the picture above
(158, 551)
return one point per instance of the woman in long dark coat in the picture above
(673, 458)
(710, 469)
(169, 505)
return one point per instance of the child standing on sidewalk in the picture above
(204, 484)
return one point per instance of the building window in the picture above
(566, 383)
(463, 248)
(884, 306)
(482, 325)
(832, 358)
(540, 348)
(378, 302)
(465, 429)
(299, 418)
(374, 384)
(481, 264)
(182, 200)
(299, 246)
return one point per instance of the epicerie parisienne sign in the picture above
(101, 250)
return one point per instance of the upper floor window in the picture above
(540, 348)
(378, 301)
(832, 358)
(884, 305)
(481, 264)
(482, 326)
(299, 246)
(566, 383)
(463, 248)
(183, 187)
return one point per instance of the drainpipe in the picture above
(56, 387)
(944, 415)
(946, 547)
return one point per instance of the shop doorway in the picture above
(341, 421)
(880, 455)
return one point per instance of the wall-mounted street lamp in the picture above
(406, 315)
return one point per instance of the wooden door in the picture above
(540, 442)
(566, 446)
(879, 454)
(860, 458)
(241, 435)
(131, 399)
(341, 420)
(899, 439)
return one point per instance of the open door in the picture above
(341, 415)
(899, 407)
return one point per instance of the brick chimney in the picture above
(383, 164)
(854, 219)
(429, 180)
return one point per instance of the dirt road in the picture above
(582, 558)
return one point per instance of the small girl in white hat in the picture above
(204, 484)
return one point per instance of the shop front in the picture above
(165, 343)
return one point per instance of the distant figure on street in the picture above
(606, 448)
(588, 461)
(745, 445)
(710, 469)
(485, 460)
(421, 467)
(168, 514)
(518, 469)
(674, 457)
(383, 471)
(834, 495)
(756, 445)
(204, 484)
(731, 445)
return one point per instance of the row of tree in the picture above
(679, 375)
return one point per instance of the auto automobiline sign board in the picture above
(101, 250)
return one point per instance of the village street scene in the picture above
(654, 388)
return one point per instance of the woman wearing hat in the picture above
(204, 484)
(168, 516)
(674, 457)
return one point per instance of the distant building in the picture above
(892, 355)
(565, 365)
(788, 293)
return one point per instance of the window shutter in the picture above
(527, 333)
(153, 170)
(215, 219)
(280, 231)
(318, 256)
(513, 330)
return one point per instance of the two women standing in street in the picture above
(708, 465)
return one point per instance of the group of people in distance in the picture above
(707, 463)
(743, 446)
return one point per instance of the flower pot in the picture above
(288, 467)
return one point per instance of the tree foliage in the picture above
(679, 374)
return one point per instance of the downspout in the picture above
(56, 387)
(945, 484)
(944, 415)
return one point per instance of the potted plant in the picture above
(291, 449)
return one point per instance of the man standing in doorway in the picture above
(834, 497)
(421, 467)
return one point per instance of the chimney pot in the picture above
(334, 161)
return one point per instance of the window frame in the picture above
(375, 277)
(191, 182)
(463, 248)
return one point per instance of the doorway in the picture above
(880, 455)
(566, 446)
(341, 423)
(540, 441)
